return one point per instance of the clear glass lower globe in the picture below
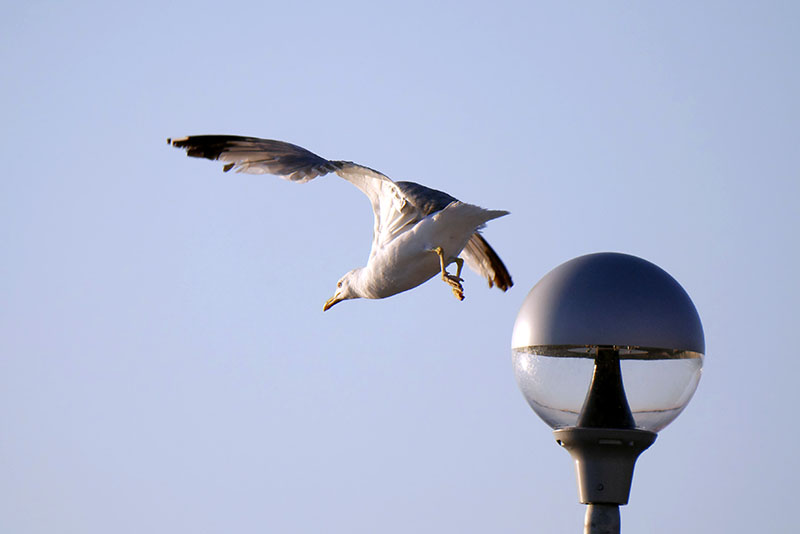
(658, 384)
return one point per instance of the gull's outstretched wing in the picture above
(257, 156)
(393, 213)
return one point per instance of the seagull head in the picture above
(345, 289)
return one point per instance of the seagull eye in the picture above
(339, 284)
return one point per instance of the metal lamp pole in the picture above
(605, 445)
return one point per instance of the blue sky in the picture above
(165, 364)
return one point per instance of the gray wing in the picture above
(257, 156)
(424, 198)
(478, 254)
(393, 213)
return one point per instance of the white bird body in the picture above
(417, 233)
(387, 272)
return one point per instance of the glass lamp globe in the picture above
(613, 306)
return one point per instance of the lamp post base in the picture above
(601, 519)
(604, 460)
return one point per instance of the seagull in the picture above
(418, 231)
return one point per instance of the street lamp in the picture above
(607, 350)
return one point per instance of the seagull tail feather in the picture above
(482, 258)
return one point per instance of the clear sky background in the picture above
(165, 364)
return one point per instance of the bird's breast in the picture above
(405, 263)
(393, 271)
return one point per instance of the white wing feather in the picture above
(393, 212)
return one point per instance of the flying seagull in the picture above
(418, 231)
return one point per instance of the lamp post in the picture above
(607, 350)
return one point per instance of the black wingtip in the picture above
(205, 146)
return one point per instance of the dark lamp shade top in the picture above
(609, 299)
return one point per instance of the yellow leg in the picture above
(453, 281)
(460, 265)
(439, 252)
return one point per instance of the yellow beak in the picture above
(331, 301)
